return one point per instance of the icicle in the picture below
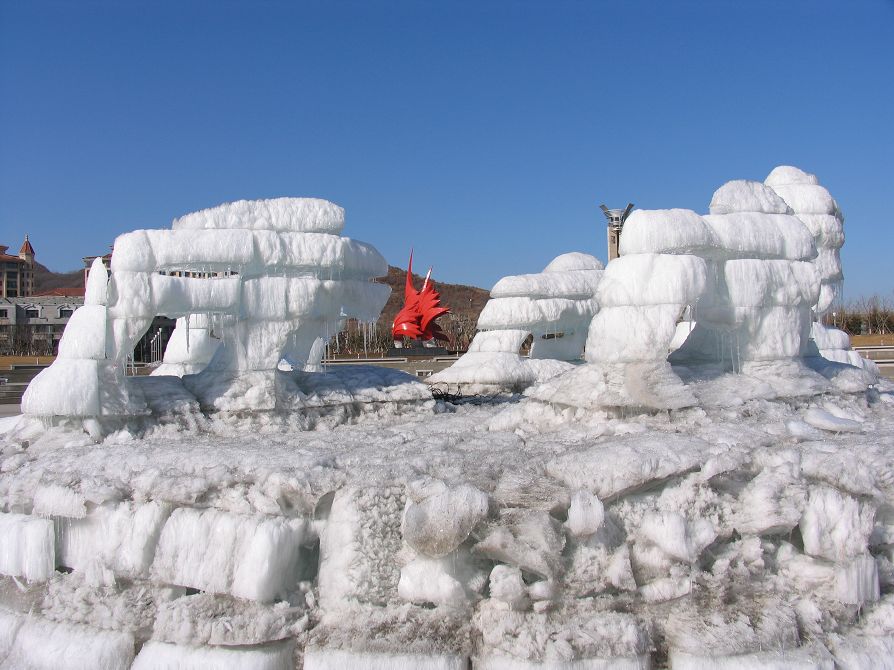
(186, 321)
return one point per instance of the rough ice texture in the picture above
(162, 656)
(27, 547)
(652, 279)
(742, 195)
(666, 231)
(121, 537)
(44, 645)
(755, 283)
(574, 260)
(247, 556)
(756, 235)
(633, 334)
(321, 659)
(809, 658)
(306, 215)
(807, 198)
(363, 524)
(438, 518)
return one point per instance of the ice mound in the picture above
(250, 282)
(553, 307)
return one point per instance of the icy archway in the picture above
(268, 277)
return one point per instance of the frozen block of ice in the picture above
(807, 198)
(122, 537)
(58, 500)
(27, 547)
(574, 260)
(282, 214)
(85, 334)
(9, 627)
(668, 231)
(755, 283)
(324, 256)
(834, 525)
(782, 175)
(585, 514)
(96, 291)
(164, 656)
(856, 581)
(632, 334)
(334, 659)
(359, 546)
(652, 279)
(526, 313)
(490, 341)
(201, 250)
(820, 418)
(641, 662)
(130, 295)
(827, 230)
(438, 523)
(751, 234)
(178, 296)
(828, 264)
(829, 338)
(46, 645)
(133, 253)
(66, 388)
(247, 556)
(450, 580)
(675, 536)
(579, 284)
(859, 652)
(814, 657)
(742, 195)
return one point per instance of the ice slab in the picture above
(362, 529)
(284, 214)
(666, 231)
(46, 645)
(812, 657)
(641, 662)
(164, 656)
(326, 659)
(858, 652)
(249, 557)
(742, 195)
(27, 547)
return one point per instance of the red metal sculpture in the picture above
(417, 318)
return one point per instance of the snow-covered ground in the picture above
(511, 532)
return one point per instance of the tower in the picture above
(616, 219)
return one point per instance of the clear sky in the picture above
(483, 133)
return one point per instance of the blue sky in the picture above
(485, 134)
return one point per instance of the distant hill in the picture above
(46, 281)
(464, 301)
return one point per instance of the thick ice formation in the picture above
(554, 307)
(817, 209)
(749, 281)
(251, 283)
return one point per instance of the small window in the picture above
(32, 313)
(65, 313)
(4, 314)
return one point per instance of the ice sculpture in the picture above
(554, 307)
(748, 274)
(818, 210)
(269, 279)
